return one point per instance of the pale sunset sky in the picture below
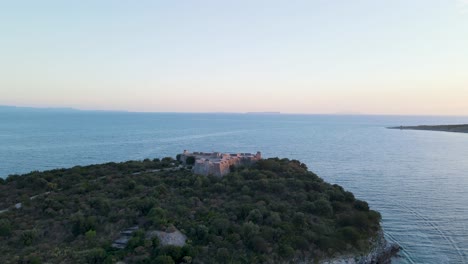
(406, 57)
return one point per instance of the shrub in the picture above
(5, 227)
(90, 235)
(265, 214)
(163, 260)
(286, 251)
(259, 244)
(28, 237)
(249, 230)
(349, 234)
(255, 216)
(157, 217)
(323, 207)
(35, 260)
(173, 251)
(137, 240)
(361, 205)
(93, 256)
(81, 224)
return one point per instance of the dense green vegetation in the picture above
(276, 211)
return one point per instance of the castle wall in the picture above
(201, 167)
(218, 164)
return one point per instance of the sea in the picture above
(418, 180)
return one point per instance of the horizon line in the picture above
(58, 108)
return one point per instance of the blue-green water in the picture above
(418, 180)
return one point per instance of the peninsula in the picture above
(168, 211)
(462, 128)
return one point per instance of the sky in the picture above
(403, 57)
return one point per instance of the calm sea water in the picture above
(418, 180)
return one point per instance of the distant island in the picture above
(162, 211)
(463, 128)
(263, 113)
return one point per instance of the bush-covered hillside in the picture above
(276, 211)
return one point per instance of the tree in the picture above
(222, 254)
(157, 216)
(361, 205)
(286, 251)
(190, 160)
(323, 207)
(249, 230)
(255, 216)
(81, 224)
(259, 244)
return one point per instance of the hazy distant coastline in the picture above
(263, 113)
(30, 109)
(9, 108)
(462, 128)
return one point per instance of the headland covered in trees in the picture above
(159, 211)
(462, 128)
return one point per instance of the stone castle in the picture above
(217, 163)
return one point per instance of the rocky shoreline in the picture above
(381, 253)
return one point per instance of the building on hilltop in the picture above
(217, 163)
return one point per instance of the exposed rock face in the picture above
(218, 164)
(175, 238)
(381, 253)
